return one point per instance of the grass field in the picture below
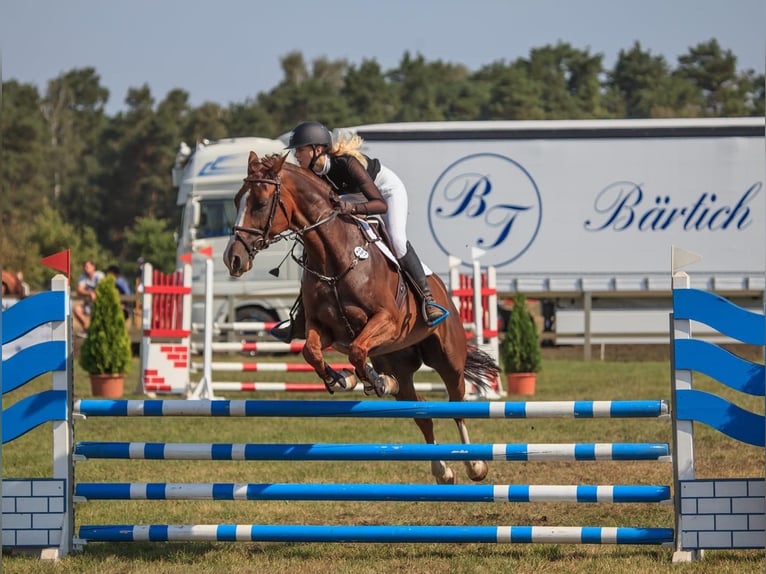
(561, 379)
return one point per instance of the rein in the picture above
(262, 239)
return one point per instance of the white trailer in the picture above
(578, 214)
(582, 214)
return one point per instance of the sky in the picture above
(227, 51)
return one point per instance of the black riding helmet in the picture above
(313, 134)
(310, 133)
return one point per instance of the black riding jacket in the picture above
(347, 175)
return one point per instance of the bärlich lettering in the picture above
(467, 194)
(623, 206)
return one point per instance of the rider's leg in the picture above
(293, 328)
(413, 268)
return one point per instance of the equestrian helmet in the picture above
(310, 133)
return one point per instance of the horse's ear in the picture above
(252, 162)
(278, 163)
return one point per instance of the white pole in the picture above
(478, 311)
(204, 389)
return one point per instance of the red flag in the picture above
(207, 251)
(58, 261)
(186, 258)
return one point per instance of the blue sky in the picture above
(229, 50)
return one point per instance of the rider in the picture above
(377, 191)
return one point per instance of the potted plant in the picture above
(106, 353)
(520, 349)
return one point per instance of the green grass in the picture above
(559, 380)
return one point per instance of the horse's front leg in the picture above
(312, 353)
(379, 329)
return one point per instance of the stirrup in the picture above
(444, 315)
(283, 331)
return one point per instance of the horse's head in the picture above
(13, 284)
(261, 214)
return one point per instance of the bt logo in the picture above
(488, 201)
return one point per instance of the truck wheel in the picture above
(255, 313)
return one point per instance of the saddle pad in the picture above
(370, 233)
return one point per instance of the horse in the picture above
(355, 297)
(13, 284)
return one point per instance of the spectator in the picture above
(86, 288)
(123, 287)
(140, 275)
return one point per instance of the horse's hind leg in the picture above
(450, 369)
(402, 365)
(476, 469)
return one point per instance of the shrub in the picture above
(107, 348)
(520, 349)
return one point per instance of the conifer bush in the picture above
(520, 348)
(107, 348)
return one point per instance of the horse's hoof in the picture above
(344, 380)
(386, 385)
(392, 385)
(379, 383)
(347, 380)
(369, 389)
(477, 470)
(447, 478)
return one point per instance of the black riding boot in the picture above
(413, 268)
(293, 328)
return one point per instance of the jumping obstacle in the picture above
(166, 330)
(167, 345)
(710, 512)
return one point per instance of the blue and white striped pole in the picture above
(382, 452)
(376, 492)
(374, 409)
(313, 533)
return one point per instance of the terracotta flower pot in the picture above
(107, 385)
(521, 383)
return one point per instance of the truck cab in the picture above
(207, 179)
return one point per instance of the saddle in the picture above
(375, 231)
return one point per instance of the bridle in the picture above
(262, 239)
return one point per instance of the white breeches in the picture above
(393, 191)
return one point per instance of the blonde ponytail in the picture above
(349, 144)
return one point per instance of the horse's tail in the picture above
(480, 368)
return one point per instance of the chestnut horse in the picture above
(354, 296)
(13, 284)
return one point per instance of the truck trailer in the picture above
(579, 214)
(582, 214)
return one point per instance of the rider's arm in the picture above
(375, 203)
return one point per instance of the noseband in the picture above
(262, 240)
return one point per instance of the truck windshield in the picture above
(216, 217)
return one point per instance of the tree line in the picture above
(74, 176)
